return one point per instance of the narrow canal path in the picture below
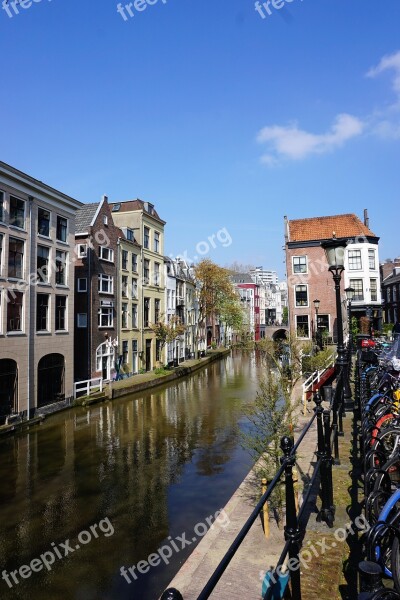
(144, 469)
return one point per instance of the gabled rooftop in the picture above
(84, 217)
(323, 228)
(135, 205)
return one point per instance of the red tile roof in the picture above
(323, 228)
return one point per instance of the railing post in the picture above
(292, 532)
(327, 512)
(335, 429)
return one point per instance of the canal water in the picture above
(104, 487)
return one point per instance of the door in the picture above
(105, 367)
(8, 388)
(148, 355)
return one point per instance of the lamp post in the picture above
(349, 295)
(316, 306)
(334, 250)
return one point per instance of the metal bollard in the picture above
(171, 594)
(370, 576)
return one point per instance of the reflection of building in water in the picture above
(118, 460)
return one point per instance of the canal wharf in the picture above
(324, 551)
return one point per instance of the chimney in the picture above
(366, 218)
(286, 228)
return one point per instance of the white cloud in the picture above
(390, 62)
(291, 142)
(296, 144)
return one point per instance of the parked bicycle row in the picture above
(378, 391)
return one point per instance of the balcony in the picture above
(180, 301)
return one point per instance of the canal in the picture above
(140, 471)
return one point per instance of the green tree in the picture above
(231, 314)
(167, 332)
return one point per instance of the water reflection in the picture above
(154, 465)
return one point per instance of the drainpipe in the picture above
(31, 356)
(89, 310)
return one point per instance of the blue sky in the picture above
(221, 118)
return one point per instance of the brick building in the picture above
(309, 279)
(96, 292)
(37, 226)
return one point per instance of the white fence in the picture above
(88, 386)
(315, 378)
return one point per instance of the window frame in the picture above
(108, 312)
(157, 242)
(373, 289)
(103, 277)
(372, 254)
(305, 337)
(9, 303)
(64, 317)
(146, 312)
(296, 303)
(12, 197)
(134, 263)
(78, 287)
(46, 264)
(45, 210)
(2, 206)
(146, 237)
(355, 285)
(65, 270)
(299, 257)
(106, 250)
(81, 250)
(79, 320)
(124, 259)
(19, 240)
(354, 260)
(59, 228)
(45, 317)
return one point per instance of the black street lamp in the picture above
(335, 250)
(316, 306)
(349, 295)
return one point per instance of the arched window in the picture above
(8, 388)
(51, 375)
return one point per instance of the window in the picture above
(17, 212)
(355, 260)
(81, 250)
(156, 241)
(388, 295)
(134, 356)
(1, 254)
(106, 285)
(124, 286)
(61, 267)
(124, 257)
(357, 284)
(371, 259)
(105, 316)
(124, 315)
(105, 220)
(394, 294)
(42, 264)
(2, 196)
(169, 306)
(43, 222)
(134, 316)
(156, 310)
(302, 327)
(14, 310)
(301, 294)
(42, 308)
(81, 320)
(129, 235)
(146, 239)
(156, 274)
(146, 271)
(61, 307)
(299, 264)
(146, 312)
(124, 352)
(106, 254)
(134, 263)
(61, 232)
(116, 207)
(134, 289)
(374, 290)
(82, 284)
(15, 258)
